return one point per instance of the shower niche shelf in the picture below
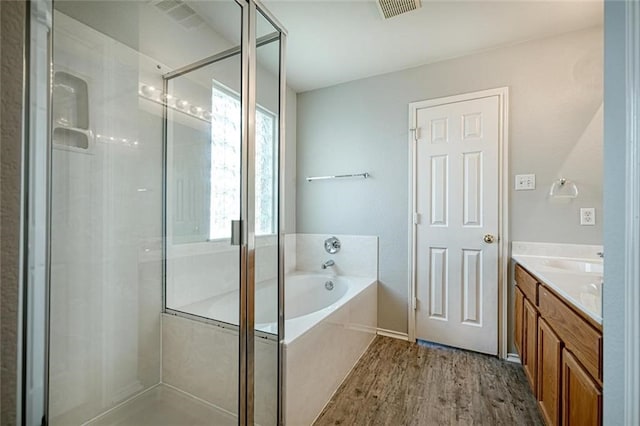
(71, 113)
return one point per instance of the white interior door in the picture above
(456, 259)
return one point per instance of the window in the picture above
(225, 165)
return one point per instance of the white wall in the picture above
(555, 130)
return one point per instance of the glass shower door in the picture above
(165, 282)
(115, 356)
(203, 191)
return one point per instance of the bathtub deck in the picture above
(401, 383)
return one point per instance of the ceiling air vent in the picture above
(179, 12)
(391, 8)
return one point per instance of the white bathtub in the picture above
(307, 301)
(326, 332)
(321, 346)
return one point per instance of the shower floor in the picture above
(164, 406)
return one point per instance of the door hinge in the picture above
(415, 303)
(416, 218)
(416, 133)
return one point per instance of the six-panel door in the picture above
(457, 201)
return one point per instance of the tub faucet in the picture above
(329, 262)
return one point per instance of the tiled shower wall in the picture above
(105, 270)
(202, 359)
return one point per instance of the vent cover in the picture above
(179, 12)
(390, 8)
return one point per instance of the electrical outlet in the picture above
(525, 182)
(588, 216)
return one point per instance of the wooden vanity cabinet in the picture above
(561, 352)
(581, 395)
(518, 319)
(530, 343)
(580, 338)
(549, 371)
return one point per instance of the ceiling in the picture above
(332, 42)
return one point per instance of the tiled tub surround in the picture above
(322, 344)
(573, 271)
(202, 272)
(202, 360)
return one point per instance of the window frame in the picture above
(216, 85)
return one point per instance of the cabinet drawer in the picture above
(527, 284)
(578, 336)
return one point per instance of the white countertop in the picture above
(582, 288)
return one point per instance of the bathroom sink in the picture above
(575, 265)
(591, 296)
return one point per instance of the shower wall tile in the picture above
(192, 277)
(106, 202)
(209, 270)
(290, 253)
(202, 359)
(266, 258)
(358, 254)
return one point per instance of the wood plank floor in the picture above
(402, 383)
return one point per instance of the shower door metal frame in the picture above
(32, 399)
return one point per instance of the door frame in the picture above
(503, 207)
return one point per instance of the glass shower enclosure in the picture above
(162, 238)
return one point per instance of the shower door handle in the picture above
(236, 232)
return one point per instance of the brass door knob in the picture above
(489, 238)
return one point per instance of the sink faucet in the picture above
(329, 262)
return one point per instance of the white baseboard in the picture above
(392, 333)
(515, 358)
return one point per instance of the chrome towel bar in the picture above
(355, 175)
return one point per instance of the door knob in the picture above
(489, 238)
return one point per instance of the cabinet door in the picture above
(549, 373)
(517, 334)
(581, 396)
(530, 343)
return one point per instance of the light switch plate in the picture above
(588, 216)
(525, 182)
